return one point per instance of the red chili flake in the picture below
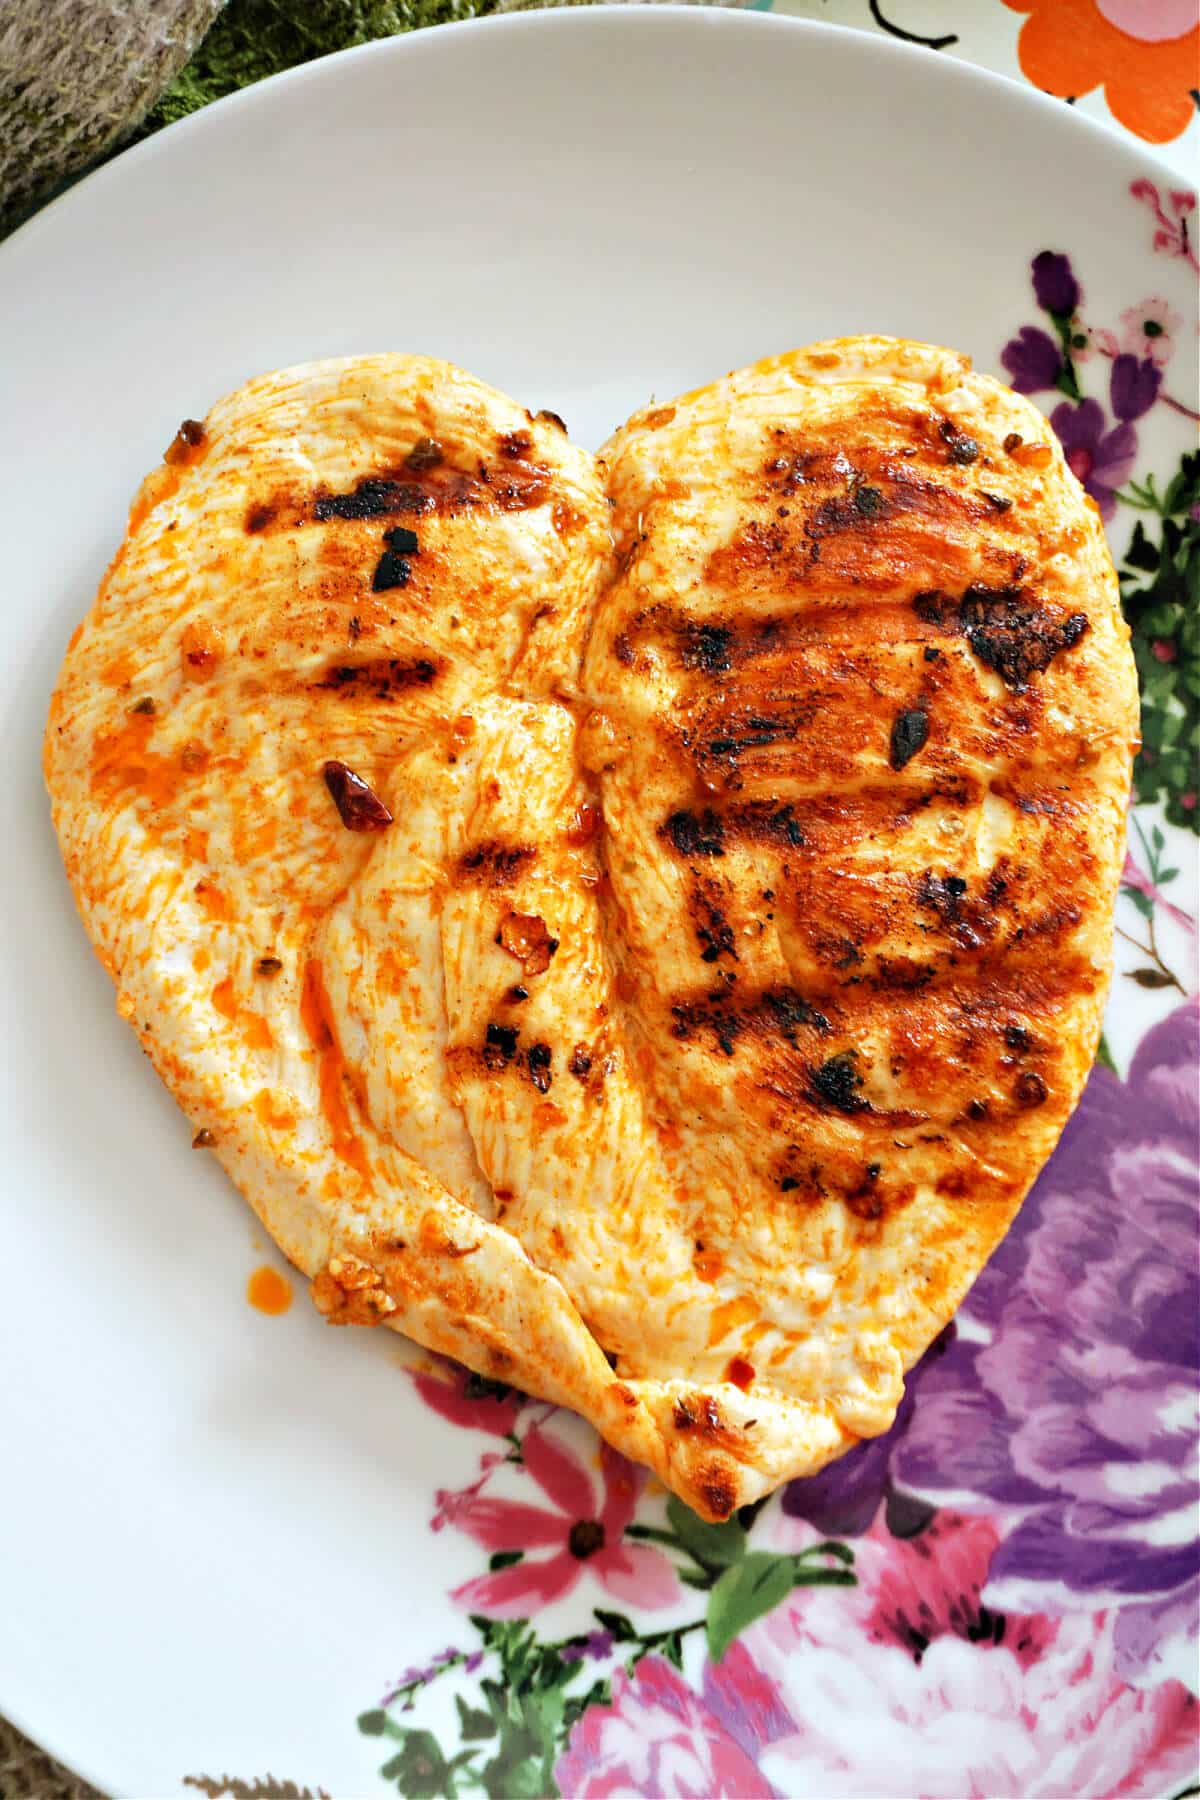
(426, 453)
(741, 1373)
(584, 825)
(524, 935)
(189, 437)
(360, 807)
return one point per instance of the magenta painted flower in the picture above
(581, 1529)
(468, 1400)
(1032, 360)
(657, 1738)
(1135, 877)
(1102, 460)
(1071, 1408)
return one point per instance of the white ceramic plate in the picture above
(216, 1525)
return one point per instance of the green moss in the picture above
(255, 38)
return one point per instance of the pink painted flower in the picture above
(468, 1400)
(905, 1685)
(582, 1531)
(910, 1672)
(656, 1738)
(1173, 215)
(1149, 330)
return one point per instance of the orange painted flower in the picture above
(1146, 53)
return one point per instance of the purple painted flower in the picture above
(1054, 285)
(1133, 387)
(595, 1647)
(1074, 1416)
(1032, 360)
(1100, 460)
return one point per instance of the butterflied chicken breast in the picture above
(638, 926)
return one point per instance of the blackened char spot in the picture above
(910, 731)
(402, 540)
(494, 863)
(580, 1065)
(1005, 628)
(499, 1046)
(959, 447)
(837, 1083)
(942, 894)
(695, 834)
(538, 1056)
(706, 647)
(391, 571)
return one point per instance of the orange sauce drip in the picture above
(316, 1017)
(269, 1291)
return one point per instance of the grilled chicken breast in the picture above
(637, 925)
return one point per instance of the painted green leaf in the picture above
(473, 1721)
(504, 1559)
(617, 1623)
(746, 1591)
(713, 1546)
(420, 1771)
(1142, 902)
(372, 1723)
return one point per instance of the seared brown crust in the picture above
(655, 985)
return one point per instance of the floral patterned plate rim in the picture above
(258, 1557)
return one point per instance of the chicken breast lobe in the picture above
(639, 925)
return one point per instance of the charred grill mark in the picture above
(863, 506)
(836, 1083)
(495, 864)
(695, 834)
(382, 678)
(942, 895)
(1005, 627)
(775, 1014)
(421, 486)
(706, 647)
(712, 927)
